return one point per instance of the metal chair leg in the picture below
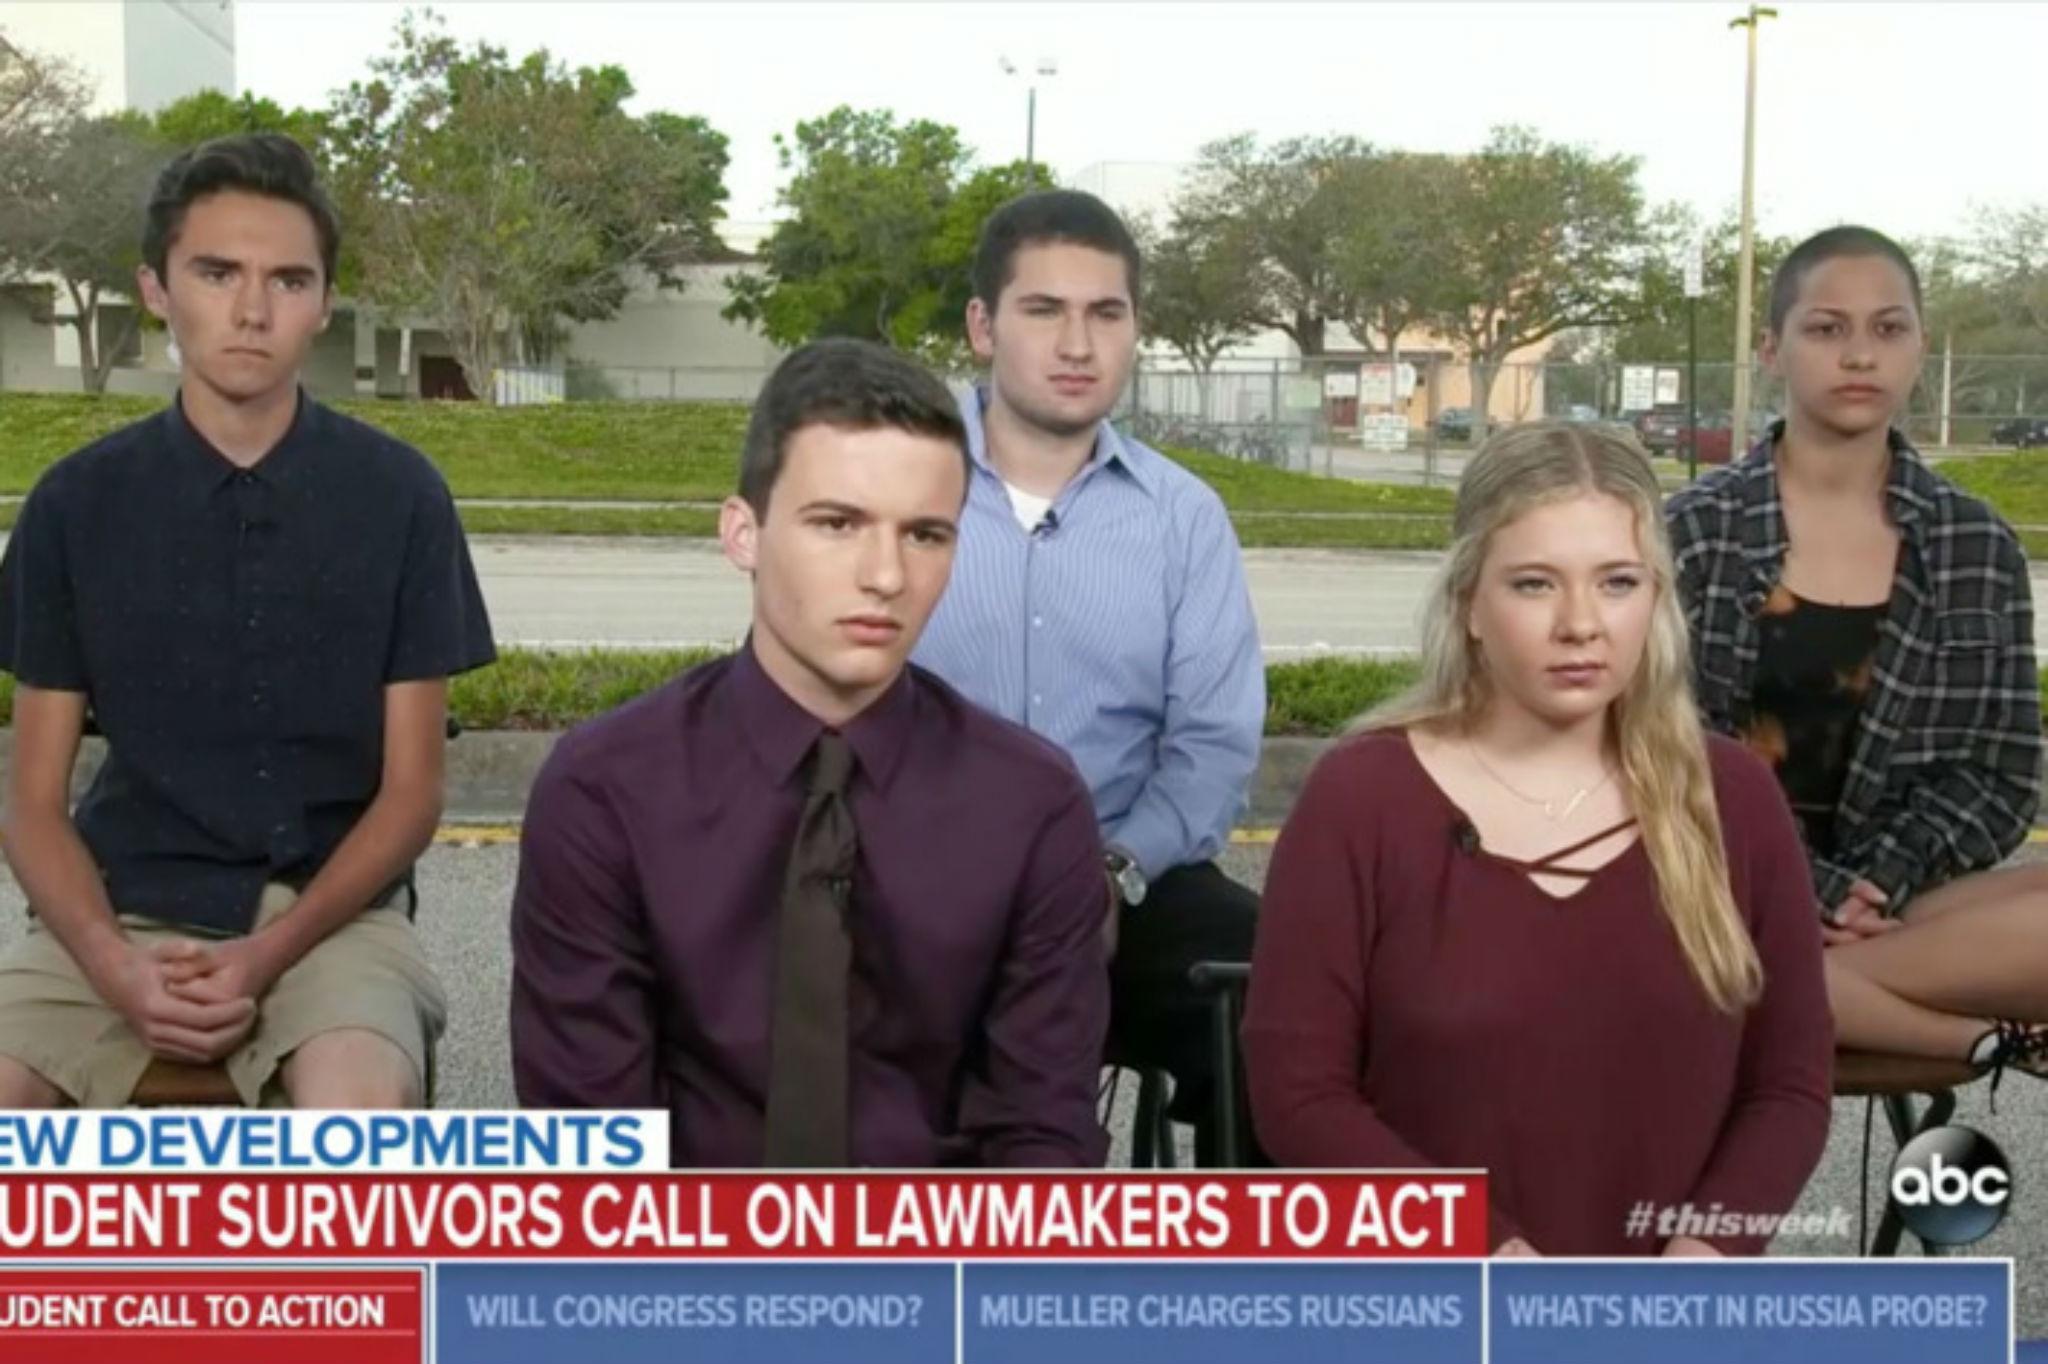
(1145, 1129)
(1907, 1124)
(1165, 1150)
(1223, 1023)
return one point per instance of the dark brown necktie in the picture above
(808, 1051)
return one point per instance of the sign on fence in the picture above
(1383, 431)
(1381, 385)
(1638, 387)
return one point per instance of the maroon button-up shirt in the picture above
(643, 928)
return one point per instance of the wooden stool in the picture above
(177, 1084)
(1895, 1080)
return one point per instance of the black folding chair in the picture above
(1896, 1081)
(1224, 983)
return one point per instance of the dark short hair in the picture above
(849, 384)
(1049, 215)
(1822, 247)
(269, 164)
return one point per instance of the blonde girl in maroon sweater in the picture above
(1529, 917)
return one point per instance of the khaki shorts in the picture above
(369, 974)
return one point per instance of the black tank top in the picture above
(1813, 671)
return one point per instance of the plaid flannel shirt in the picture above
(1945, 773)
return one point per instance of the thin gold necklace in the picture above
(1548, 807)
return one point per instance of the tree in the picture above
(71, 200)
(38, 92)
(883, 220)
(1655, 331)
(210, 114)
(1289, 203)
(2007, 254)
(1200, 292)
(1390, 259)
(506, 199)
(1540, 238)
(1983, 298)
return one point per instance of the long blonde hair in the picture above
(1657, 732)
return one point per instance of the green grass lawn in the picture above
(688, 452)
(657, 452)
(2016, 484)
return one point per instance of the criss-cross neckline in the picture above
(1529, 870)
(1544, 865)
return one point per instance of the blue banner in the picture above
(666, 1313)
(1916, 1311)
(1222, 1314)
(1712, 1311)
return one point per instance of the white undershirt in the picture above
(1030, 508)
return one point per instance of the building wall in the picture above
(30, 354)
(664, 344)
(139, 54)
(177, 48)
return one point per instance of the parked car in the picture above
(1714, 438)
(1454, 423)
(1658, 427)
(2021, 432)
(1585, 414)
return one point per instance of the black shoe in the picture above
(2010, 1045)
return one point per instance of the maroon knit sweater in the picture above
(1414, 1004)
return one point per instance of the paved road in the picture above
(559, 590)
(466, 890)
(646, 593)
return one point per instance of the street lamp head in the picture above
(1009, 67)
(1048, 66)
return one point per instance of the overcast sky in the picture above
(1904, 116)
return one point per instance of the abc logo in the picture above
(1951, 1186)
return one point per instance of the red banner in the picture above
(223, 1316)
(748, 1216)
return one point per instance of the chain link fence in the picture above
(1366, 419)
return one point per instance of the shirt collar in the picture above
(1910, 492)
(1112, 448)
(204, 469)
(781, 733)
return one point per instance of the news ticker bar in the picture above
(1377, 1312)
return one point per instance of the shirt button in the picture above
(263, 774)
(1037, 700)
(1038, 622)
(245, 477)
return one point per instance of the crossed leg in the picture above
(1966, 954)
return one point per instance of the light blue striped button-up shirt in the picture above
(1122, 630)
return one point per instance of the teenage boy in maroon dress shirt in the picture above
(652, 945)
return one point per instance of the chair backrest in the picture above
(1224, 982)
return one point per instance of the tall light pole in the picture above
(1046, 67)
(1739, 437)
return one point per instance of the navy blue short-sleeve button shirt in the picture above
(233, 631)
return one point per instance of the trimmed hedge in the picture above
(533, 689)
